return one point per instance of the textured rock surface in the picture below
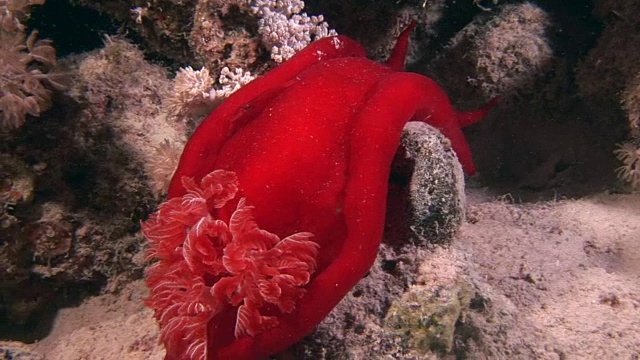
(225, 33)
(436, 186)
(499, 54)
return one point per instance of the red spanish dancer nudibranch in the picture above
(277, 207)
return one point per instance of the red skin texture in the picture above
(311, 143)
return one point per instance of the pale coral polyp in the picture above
(251, 267)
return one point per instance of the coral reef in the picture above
(225, 37)
(225, 34)
(118, 73)
(76, 184)
(163, 26)
(220, 33)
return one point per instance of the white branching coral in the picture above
(284, 29)
(195, 93)
(629, 154)
(232, 81)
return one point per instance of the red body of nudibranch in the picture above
(304, 153)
